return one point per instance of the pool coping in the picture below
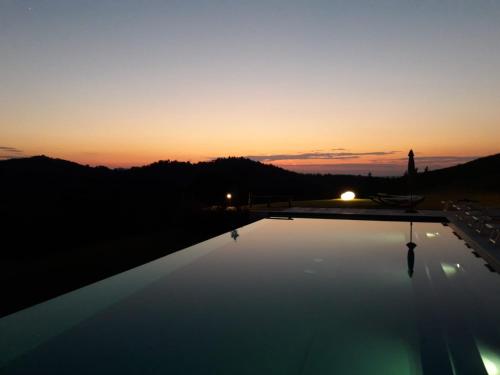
(359, 214)
(480, 244)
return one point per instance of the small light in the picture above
(449, 269)
(229, 196)
(347, 196)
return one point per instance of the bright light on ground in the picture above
(347, 196)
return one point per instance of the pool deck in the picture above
(479, 244)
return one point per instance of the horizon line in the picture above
(321, 169)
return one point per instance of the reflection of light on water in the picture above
(491, 360)
(309, 271)
(388, 237)
(449, 269)
(491, 368)
(432, 234)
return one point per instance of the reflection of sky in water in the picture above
(303, 296)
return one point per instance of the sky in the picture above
(314, 86)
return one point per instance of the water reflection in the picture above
(490, 358)
(449, 269)
(411, 254)
(287, 297)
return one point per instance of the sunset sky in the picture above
(316, 86)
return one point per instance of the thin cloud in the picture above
(446, 159)
(318, 156)
(437, 162)
(10, 149)
(7, 152)
(377, 169)
(443, 158)
(387, 167)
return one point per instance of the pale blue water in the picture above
(302, 296)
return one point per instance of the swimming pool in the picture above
(301, 296)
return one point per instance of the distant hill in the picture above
(479, 174)
(44, 178)
(205, 182)
(51, 204)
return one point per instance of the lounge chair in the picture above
(495, 236)
(397, 200)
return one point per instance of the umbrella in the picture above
(412, 172)
(411, 164)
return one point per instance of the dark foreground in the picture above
(29, 275)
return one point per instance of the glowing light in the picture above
(347, 196)
(491, 359)
(229, 195)
(432, 234)
(449, 269)
(491, 368)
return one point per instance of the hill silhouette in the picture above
(59, 202)
(204, 182)
(41, 194)
(480, 174)
(207, 182)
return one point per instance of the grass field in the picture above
(432, 201)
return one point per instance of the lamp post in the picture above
(229, 196)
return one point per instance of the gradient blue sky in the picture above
(130, 82)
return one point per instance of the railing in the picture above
(253, 198)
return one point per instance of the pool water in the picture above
(301, 296)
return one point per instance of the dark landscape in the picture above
(65, 225)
